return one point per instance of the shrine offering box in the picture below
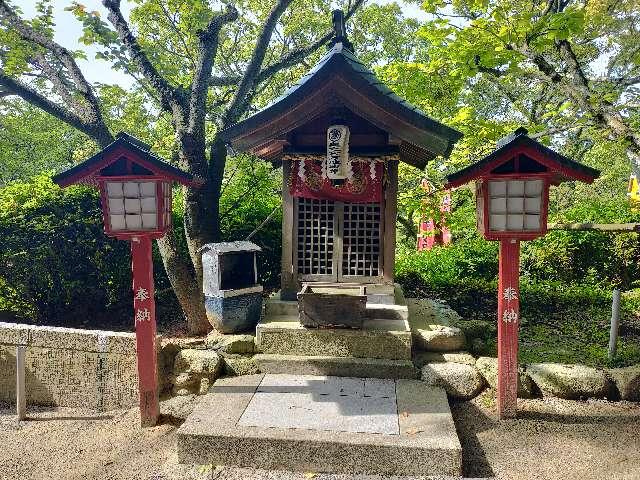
(336, 305)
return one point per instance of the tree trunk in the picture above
(185, 286)
(201, 226)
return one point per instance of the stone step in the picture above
(379, 338)
(323, 424)
(274, 307)
(335, 366)
(378, 306)
(381, 298)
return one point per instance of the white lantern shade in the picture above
(497, 188)
(515, 222)
(533, 188)
(532, 222)
(133, 206)
(497, 222)
(148, 204)
(515, 188)
(117, 222)
(131, 190)
(148, 189)
(116, 205)
(533, 205)
(134, 222)
(114, 190)
(498, 205)
(149, 220)
(515, 205)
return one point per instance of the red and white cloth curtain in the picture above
(363, 184)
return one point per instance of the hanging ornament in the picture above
(372, 168)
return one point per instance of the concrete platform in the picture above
(323, 424)
(390, 339)
(336, 366)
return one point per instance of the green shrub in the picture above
(58, 267)
(55, 261)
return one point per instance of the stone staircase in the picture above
(381, 349)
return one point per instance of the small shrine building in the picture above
(339, 134)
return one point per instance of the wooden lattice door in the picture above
(361, 239)
(338, 241)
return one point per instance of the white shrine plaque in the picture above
(337, 151)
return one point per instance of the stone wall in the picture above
(92, 369)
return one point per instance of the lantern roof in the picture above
(517, 153)
(341, 80)
(125, 156)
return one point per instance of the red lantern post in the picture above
(135, 194)
(508, 316)
(512, 198)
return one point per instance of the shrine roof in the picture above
(345, 80)
(562, 168)
(88, 171)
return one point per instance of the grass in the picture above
(559, 322)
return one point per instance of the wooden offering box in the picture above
(332, 305)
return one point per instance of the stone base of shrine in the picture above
(323, 424)
(385, 333)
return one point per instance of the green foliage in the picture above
(470, 259)
(31, 142)
(42, 227)
(251, 192)
(560, 322)
(55, 262)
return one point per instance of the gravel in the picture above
(550, 439)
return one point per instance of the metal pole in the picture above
(21, 399)
(615, 322)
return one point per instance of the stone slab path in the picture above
(340, 404)
(323, 424)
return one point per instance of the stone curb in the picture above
(96, 341)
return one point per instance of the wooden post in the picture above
(21, 398)
(508, 322)
(389, 219)
(615, 322)
(288, 281)
(145, 323)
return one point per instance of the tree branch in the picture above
(168, 96)
(255, 64)
(208, 46)
(97, 132)
(26, 32)
(287, 60)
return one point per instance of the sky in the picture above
(68, 30)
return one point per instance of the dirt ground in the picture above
(551, 439)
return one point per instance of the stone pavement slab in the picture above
(338, 404)
(411, 433)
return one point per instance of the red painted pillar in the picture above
(508, 322)
(144, 308)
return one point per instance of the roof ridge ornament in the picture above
(339, 31)
(520, 131)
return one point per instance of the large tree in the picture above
(563, 67)
(200, 64)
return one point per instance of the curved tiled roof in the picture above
(341, 62)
